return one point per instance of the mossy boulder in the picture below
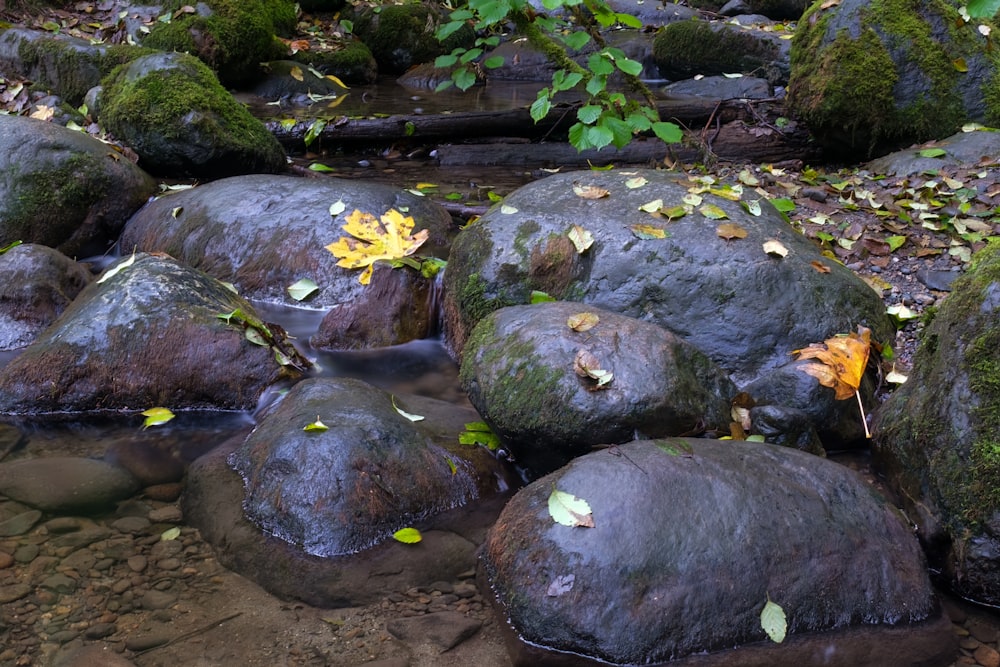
(873, 76)
(350, 61)
(66, 65)
(937, 438)
(64, 189)
(401, 36)
(294, 83)
(231, 36)
(684, 49)
(172, 111)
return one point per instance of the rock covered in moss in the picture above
(526, 371)
(686, 48)
(36, 285)
(352, 63)
(63, 188)
(402, 35)
(172, 111)
(154, 333)
(872, 75)
(233, 37)
(689, 540)
(291, 82)
(937, 438)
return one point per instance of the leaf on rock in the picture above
(586, 365)
(581, 238)
(390, 238)
(589, 191)
(932, 152)
(568, 510)
(582, 321)
(508, 210)
(895, 377)
(819, 266)
(713, 212)
(316, 427)
(156, 417)
(730, 231)
(635, 182)
(773, 621)
(407, 535)
(110, 273)
(170, 534)
(775, 248)
(652, 206)
(900, 313)
(302, 289)
(479, 433)
(841, 361)
(296, 73)
(647, 232)
(410, 416)
(541, 297)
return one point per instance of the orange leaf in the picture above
(819, 266)
(841, 361)
(730, 230)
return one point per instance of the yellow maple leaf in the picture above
(373, 239)
(841, 363)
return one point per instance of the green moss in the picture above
(474, 302)
(352, 63)
(401, 36)
(691, 47)
(525, 233)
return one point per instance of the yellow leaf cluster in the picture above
(841, 361)
(371, 239)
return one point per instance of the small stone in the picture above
(63, 636)
(131, 524)
(984, 632)
(60, 583)
(64, 524)
(987, 656)
(169, 564)
(100, 630)
(148, 641)
(137, 563)
(20, 524)
(166, 514)
(167, 493)
(6, 560)
(969, 643)
(157, 600)
(445, 630)
(14, 592)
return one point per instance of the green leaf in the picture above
(170, 534)
(445, 30)
(563, 81)
(444, 85)
(982, 9)
(596, 85)
(670, 133)
(316, 427)
(302, 289)
(621, 133)
(568, 510)
(255, 337)
(337, 207)
(599, 64)
(319, 166)
(629, 66)
(629, 21)
(314, 131)
(493, 62)
(409, 129)
(9, 246)
(895, 242)
(407, 535)
(479, 433)
(110, 273)
(464, 78)
(541, 106)
(589, 113)
(470, 55)
(576, 40)
(783, 204)
(540, 297)
(932, 152)
(156, 417)
(445, 61)
(713, 212)
(599, 136)
(408, 415)
(772, 620)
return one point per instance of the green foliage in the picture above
(605, 118)
(983, 8)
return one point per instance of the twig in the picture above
(192, 633)
(864, 420)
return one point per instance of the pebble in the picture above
(987, 656)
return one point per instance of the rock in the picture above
(15, 592)
(36, 285)
(157, 600)
(263, 233)
(347, 488)
(64, 189)
(960, 149)
(935, 437)
(93, 655)
(720, 88)
(65, 484)
(353, 64)
(171, 110)
(869, 77)
(522, 369)
(443, 630)
(746, 310)
(20, 524)
(149, 335)
(678, 523)
(401, 36)
(684, 49)
(293, 83)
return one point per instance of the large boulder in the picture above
(153, 333)
(347, 461)
(36, 284)
(264, 233)
(936, 438)
(172, 111)
(525, 369)
(690, 540)
(747, 310)
(868, 75)
(64, 189)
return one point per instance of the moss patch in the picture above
(401, 36)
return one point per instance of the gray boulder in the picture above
(172, 111)
(870, 76)
(742, 307)
(690, 539)
(960, 150)
(525, 370)
(66, 484)
(936, 436)
(264, 233)
(36, 284)
(156, 333)
(63, 188)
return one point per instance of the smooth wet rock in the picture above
(20, 524)
(64, 189)
(743, 308)
(936, 435)
(525, 369)
(65, 484)
(960, 149)
(149, 335)
(443, 630)
(690, 539)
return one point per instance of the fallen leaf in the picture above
(773, 621)
(589, 192)
(568, 510)
(652, 206)
(775, 248)
(819, 267)
(581, 238)
(841, 361)
(302, 289)
(296, 73)
(170, 534)
(337, 207)
(316, 427)
(901, 313)
(635, 182)
(586, 365)
(730, 231)
(479, 433)
(508, 210)
(647, 232)
(932, 152)
(541, 297)
(408, 415)
(407, 535)
(582, 321)
(110, 273)
(895, 377)
(371, 241)
(712, 212)
(561, 584)
(43, 112)
(156, 417)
